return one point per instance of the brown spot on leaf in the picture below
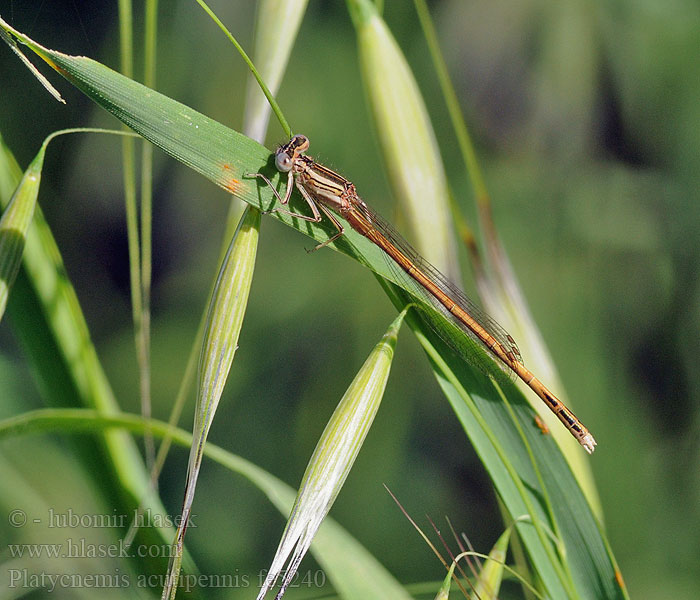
(541, 425)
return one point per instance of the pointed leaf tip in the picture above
(332, 459)
(14, 225)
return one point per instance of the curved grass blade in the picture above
(444, 591)
(275, 32)
(263, 86)
(354, 572)
(532, 478)
(17, 215)
(46, 315)
(488, 583)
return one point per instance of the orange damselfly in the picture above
(326, 191)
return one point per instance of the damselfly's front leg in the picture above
(288, 194)
(313, 205)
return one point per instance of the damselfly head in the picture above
(287, 153)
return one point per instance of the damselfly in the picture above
(326, 191)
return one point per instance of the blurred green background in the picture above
(586, 118)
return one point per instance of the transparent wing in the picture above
(449, 289)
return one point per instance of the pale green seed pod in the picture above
(407, 139)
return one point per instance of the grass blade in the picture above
(532, 478)
(493, 417)
(275, 32)
(488, 583)
(46, 315)
(498, 287)
(15, 224)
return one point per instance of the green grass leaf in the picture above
(46, 315)
(15, 224)
(482, 406)
(532, 478)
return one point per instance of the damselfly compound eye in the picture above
(283, 162)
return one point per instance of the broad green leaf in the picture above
(532, 478)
